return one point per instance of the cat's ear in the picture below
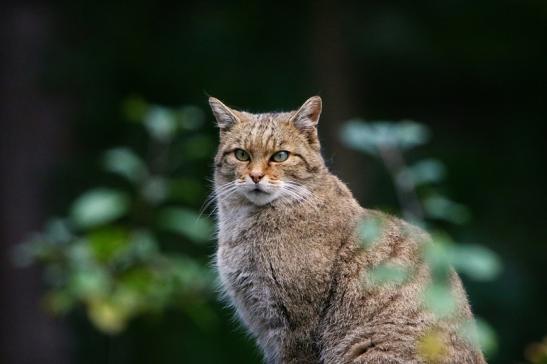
(225, 116)
(307, 117)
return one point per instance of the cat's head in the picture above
(267, 157)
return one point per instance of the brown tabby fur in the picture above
(291, 263)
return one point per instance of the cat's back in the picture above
(377, 309)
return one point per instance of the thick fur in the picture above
(291, 262)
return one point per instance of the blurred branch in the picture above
(404, 187)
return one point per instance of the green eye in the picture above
(242, 155)
(280, 156)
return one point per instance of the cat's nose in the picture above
(256, 176)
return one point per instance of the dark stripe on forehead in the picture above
(246, 139)
(260, 133)
(271, 141)
(270, 133)
(255, 132)
(259, 130)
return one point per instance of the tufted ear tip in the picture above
(213, 101)
(315, 100)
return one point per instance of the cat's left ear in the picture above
(307, 117)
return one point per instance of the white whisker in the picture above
(219, 192)
(294, 191)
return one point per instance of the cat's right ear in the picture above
(225, 116)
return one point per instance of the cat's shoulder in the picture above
(338, 187)
(393, 227)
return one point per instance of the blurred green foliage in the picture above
(108, 253)
(425, 206)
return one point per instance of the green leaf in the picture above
(369, 230)
(476, 261)
(438, 298)
(141, 248)
(410, 134)
(440, 207)
(437, 255)
(370, 137)
(58, 231)
(143, 244)
(155, 190)
(139, 279)
(124, 162)
(362, 136)
(90, 283)
(79, 254)
(186, 223)
(423, 172)
(161, 123)
(99, 206)
(108, 243)
(387, 274)
(127, 298)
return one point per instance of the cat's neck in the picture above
(239, 208)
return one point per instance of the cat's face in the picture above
(267, 157)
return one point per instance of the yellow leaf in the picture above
(431, 346)
(107, 316)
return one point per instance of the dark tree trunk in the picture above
(31, 134)
(333, 75)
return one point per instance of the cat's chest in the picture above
(270, 262)
(245, 257)
(232, 223)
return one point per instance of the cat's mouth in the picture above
(260, 194)
(258, 190)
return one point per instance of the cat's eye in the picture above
(280, 156)
(242, 155)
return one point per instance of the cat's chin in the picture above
(260, 198)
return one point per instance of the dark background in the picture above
(473, 71)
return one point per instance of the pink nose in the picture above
(256, 176)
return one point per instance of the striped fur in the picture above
(290, 261)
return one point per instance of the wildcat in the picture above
(292, 264)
